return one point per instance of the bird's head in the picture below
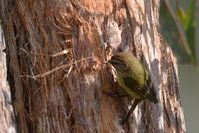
(118, 62)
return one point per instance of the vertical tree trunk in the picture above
(7, 123)
(56, 52)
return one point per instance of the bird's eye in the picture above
(113, 58)
(119, 64)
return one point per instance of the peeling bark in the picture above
(59, 82)
(7, 120)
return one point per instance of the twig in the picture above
(54, 69)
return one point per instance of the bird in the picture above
(134, 78)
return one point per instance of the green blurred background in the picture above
(180, 28)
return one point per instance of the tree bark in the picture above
(7, 121)
(57, 73)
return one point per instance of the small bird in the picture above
(134, 78)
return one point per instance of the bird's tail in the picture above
(151, 95)
(152, 98)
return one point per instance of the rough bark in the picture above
(56, 52)
(7, 123)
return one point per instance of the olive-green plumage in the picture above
(133, 77)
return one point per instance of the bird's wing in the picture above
(132, 84)
(142, 91)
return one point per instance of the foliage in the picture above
(178, 28)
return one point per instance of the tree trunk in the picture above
(7, 123)
(59, 82)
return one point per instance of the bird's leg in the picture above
(127, 115)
